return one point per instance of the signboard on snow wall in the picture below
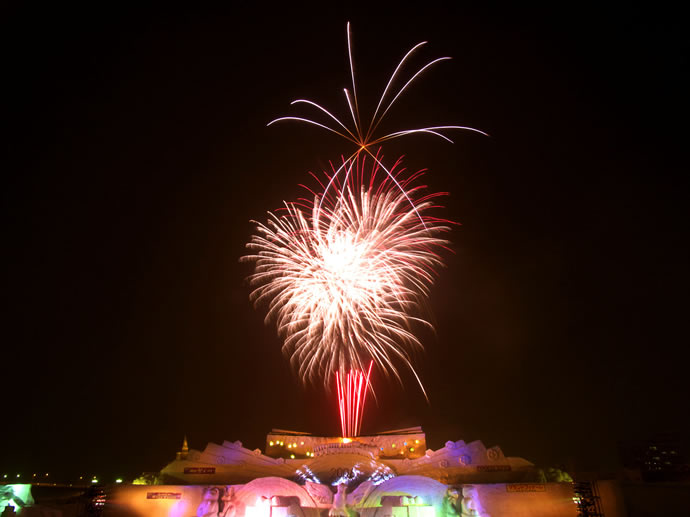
(163, 495)
(525, 487)
(493, 468)
(200, 470)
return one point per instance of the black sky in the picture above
(135, 153)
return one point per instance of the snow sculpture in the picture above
(341, 501)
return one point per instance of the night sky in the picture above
(135, 152)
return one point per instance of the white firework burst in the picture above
(345, 275)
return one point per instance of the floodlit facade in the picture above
(390, 474)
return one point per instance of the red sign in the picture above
(493, 468)
(525, 487)
(163, 495)
(200, 470)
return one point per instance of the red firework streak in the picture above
(352, 392)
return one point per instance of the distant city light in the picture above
(118, 480)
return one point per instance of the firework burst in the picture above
(365, 137)
(346, 272)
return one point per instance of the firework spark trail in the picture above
(366, 139)
(346, 273)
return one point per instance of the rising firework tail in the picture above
(352, 393)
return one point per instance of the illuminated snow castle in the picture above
(391, 474)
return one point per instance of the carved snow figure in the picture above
(209, 503)
(228, 499)
(341, 502)
(449, 507)
(469, 507)
(9, 498)
(339, 508)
